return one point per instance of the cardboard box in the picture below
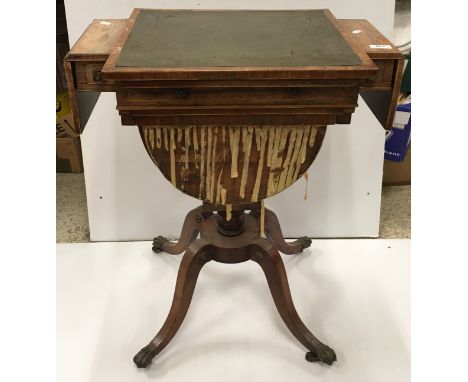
(68, 145)
(63, 117)
(68, 155)
(398, 173)
(398, 138)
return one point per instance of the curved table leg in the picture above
(189, 233)
(274, 233)
(194, 258)
(267, 256)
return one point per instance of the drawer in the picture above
(237, 105)
(140, 99)
(384, 75)
(88, 76)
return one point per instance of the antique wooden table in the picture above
(232, 107)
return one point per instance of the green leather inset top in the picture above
(177, 39)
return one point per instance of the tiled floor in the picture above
(395, 213)
(402, 26)
(72, 213)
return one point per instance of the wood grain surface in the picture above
(369, 37)
(232, 164)
(98, 39)
(385, 55)
(364, 69)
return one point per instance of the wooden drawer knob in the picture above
(183, 92)
(97, 77)
(294, 91)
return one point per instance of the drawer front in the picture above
(235, 119)
(384, 75)
(141, 99)
(237, 105)
(88, 77)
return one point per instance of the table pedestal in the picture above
(232, 239)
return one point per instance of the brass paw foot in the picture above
(323, 353)
(158, 244)
(304, 242)
(145, 356)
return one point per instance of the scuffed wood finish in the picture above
(246, 105)
(98, 39)
(388, 59)
(192, 262)
(232, 164)
(245, 245)
(88, 77)
(296, 105)
(397, 77)
(90, 52)
(113, 72)
(366, 35)
(265, 254)
(231, 83)
(83, 65)
(72, 96)
(227, 97)
(240, 118)
(274, 233)
(233, 95)
(188, 234)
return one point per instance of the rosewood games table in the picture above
(232, 107)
